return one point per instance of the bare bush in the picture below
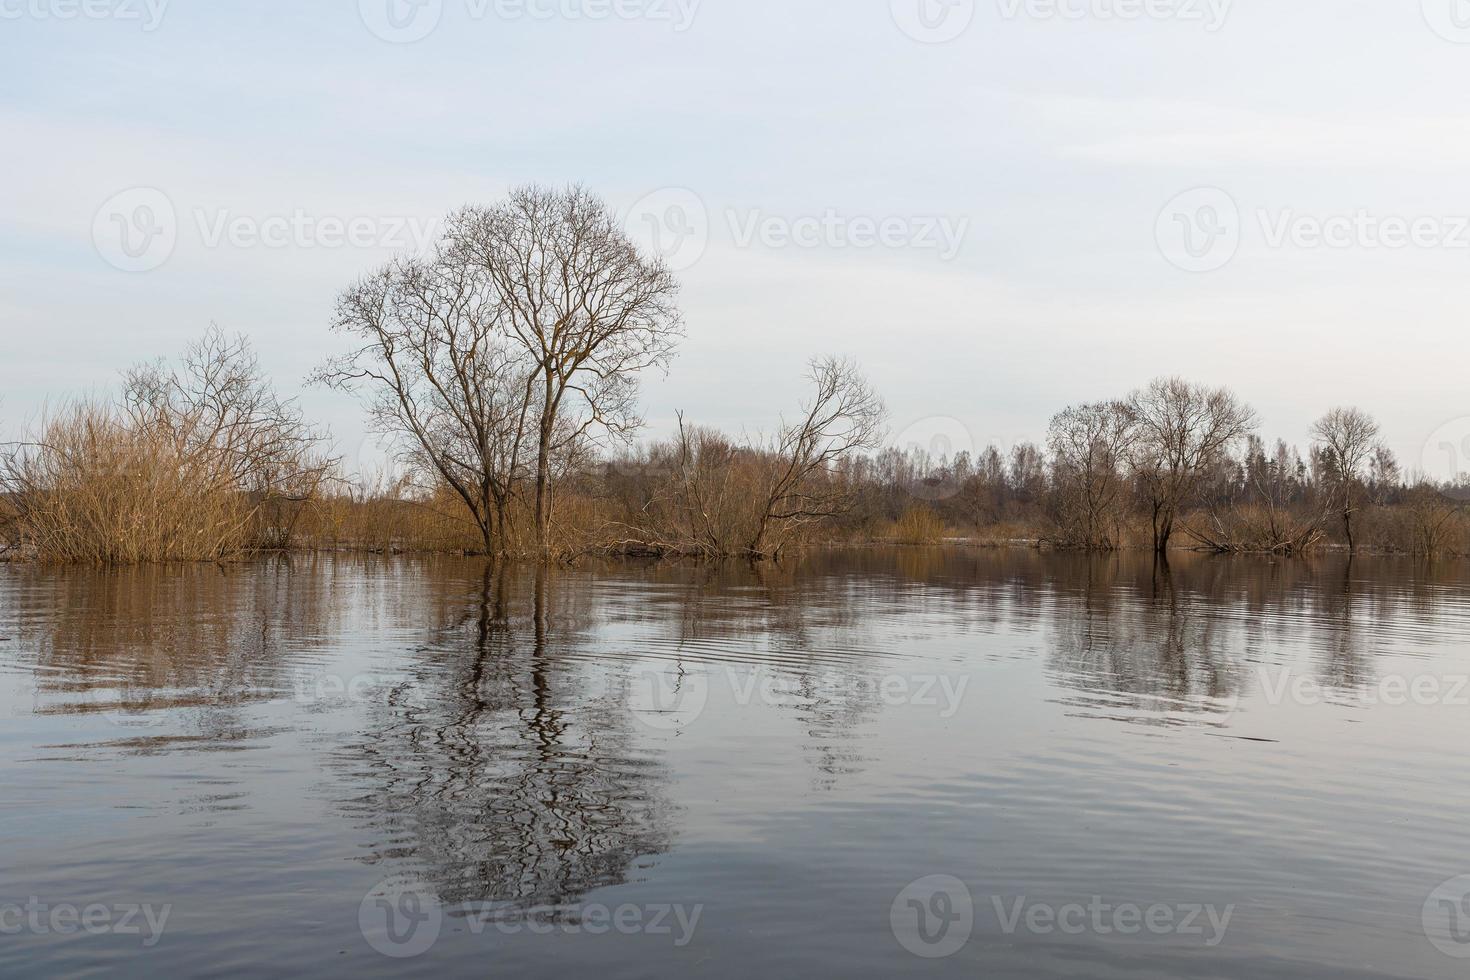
(191, 463)
(1089, 451)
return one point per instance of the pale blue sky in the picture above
(1053, 141)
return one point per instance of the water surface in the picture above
(951, 763)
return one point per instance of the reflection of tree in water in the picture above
(144, 640)
(505, 772)
(1142, 645)
(799, 627)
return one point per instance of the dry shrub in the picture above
(92, 489)
(919, 525)
(197, 463)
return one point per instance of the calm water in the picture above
(946, 763)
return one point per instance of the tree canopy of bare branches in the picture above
(438, 371)
(844, 415)
(1184, 432)
(578, 299)
(1089, 446)
(1347, 439)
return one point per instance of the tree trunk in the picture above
(543, 469)
(1163, 531)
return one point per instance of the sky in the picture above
(997, 207)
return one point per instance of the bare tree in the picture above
(217, 403)
(1348, 441)
(437, 370)
(586, 307)
(1184, 432)
(845, 416)
(1089, 447)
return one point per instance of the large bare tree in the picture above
(1347, 439)
(437, 369)
(1184, 432)
(587, 309)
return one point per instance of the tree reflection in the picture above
(505, 772)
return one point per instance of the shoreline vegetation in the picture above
(502, 369)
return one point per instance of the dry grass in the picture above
(92, 489)
(919, 525)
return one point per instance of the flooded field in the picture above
(950, 763)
